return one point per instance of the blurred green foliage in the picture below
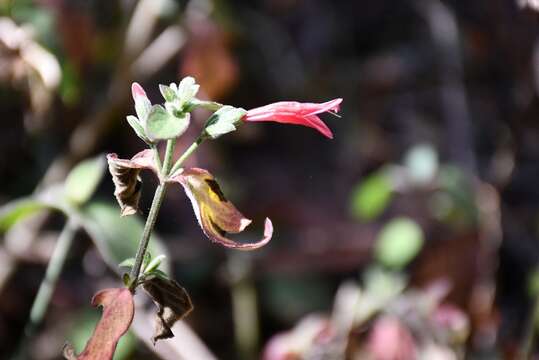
(399, 241)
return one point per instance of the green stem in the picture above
(208, 105)
(169, 153)
(186, 154)
(148, 227)
(152, 216)
(157, 159)
(46, 289)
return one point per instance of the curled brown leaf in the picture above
(215, 214)
(173, 304)
(127, 183)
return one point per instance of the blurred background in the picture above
(412, 234)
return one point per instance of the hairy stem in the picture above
(169, 153)
(148, 227)
(157, 158)
(152, 216)
(46, 289)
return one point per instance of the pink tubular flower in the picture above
(291, 112)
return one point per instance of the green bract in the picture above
(137, 127)
(223, 121)
(162, 125)
(187, 89)
(179, 97)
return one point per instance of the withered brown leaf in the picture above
(215, 214)
(127, 183)
(173, 304)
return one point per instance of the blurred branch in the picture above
(159, 52)
(445, 34)
(244, 305)
(48, 284)
(141, 26)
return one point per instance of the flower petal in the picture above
(215, 214)
(292, 112)
(125, 175)
(332, 105)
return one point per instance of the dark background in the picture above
(461, 76)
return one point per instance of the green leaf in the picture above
(371, 197)
(117, 237)
(224, 121)
(154, 264)
(83, 180)
(398, 243)
(162, 125)
(127, 263)
(143, 107)
(126, 278)
(167, 92)
(17, 210)
(147, 258)
(158, 273)
(139, 130)
(187, 89)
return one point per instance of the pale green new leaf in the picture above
(162, 125)
(137, 127)
(187, 89)
(224, 121)
(127, 263)
(168, 93)
(154, 263)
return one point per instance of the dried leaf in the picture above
(118, 311)
(125, 175)
(215, 214)
(173, 303)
